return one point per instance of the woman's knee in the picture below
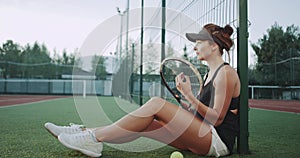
(157, 100)
(155, 103)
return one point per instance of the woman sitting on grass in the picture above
(211, 132)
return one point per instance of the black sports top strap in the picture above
(215, 74)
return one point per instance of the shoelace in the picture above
(74, 127)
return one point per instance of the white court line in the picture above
(274, 106)
(289, 112)
(17, 99)
(21, 104)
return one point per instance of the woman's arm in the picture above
(224, 84)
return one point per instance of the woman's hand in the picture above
(183, 85)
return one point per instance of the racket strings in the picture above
(173, 68)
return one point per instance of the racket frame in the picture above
(191, 66)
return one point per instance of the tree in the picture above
(10, 55)
(98, 67)
(152, 55)
(65, 63)
(36, 60)
(275, 53)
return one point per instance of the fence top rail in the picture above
(77, 80)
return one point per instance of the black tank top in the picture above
(229, 128)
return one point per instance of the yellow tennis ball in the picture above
(176, 154)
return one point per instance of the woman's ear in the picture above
(215, 47)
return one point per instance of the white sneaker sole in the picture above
(86, 152)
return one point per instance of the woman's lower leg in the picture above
(131, 124)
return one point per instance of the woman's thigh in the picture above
(184, 127)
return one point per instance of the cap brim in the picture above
(202, 35)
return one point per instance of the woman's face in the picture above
(203, 49)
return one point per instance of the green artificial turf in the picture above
(272, 134)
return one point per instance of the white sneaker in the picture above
(57, 130)
(83, 142)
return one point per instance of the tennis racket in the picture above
(170, 68)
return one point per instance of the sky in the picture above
(64, 24)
